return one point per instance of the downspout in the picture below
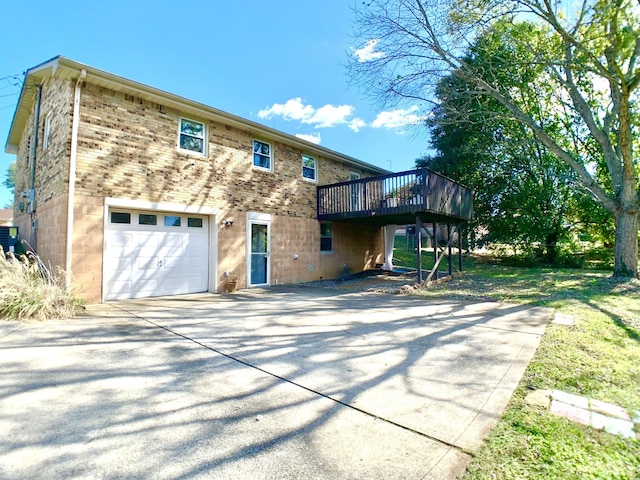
(72, 175)
(34, 147)
(31, 196)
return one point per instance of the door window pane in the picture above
(147, 219)
(120, 217)
(194, 222)
(171, 221)
(259, 253)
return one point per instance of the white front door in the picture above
(258, 261)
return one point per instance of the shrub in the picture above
(29, 290)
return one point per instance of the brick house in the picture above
(137, 192)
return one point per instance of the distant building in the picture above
(6, 216)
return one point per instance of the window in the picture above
(171, 221)
(192, 136)
(309, 168)
(147, 219)
(47, 132)
(261, 155)
(120, 217)
(325, 237)
(194, 222)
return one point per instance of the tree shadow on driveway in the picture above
(281, 383)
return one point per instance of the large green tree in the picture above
(585, 57)
(10, 179)
(524, 195)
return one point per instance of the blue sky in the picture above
(277, 62)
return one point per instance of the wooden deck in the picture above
(396, 198)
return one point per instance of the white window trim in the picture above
(315, 168)
(260, 219)
(47, 132)
(271, 162)
(205, 137)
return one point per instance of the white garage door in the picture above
(148, 254)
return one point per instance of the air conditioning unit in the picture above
(8, 238)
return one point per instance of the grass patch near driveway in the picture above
(598, 357)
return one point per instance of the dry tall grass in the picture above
(29, 290)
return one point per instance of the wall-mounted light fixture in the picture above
(227, 223)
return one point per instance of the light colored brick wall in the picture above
(127, 148)
(51, 179)
(232, 256)
(88, 238)
(359, 247)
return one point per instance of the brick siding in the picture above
(128, 148)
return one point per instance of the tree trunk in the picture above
(551, 243)
(626, 244)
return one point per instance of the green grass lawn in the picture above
(598, 357)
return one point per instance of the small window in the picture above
(147, 219)
(47, 132)
(261, 155)
(194, 222)
(326, 244)
(309, 168)
(192, 136)
(120, 217)
(171, 221)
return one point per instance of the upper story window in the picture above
(262, 155)
(47, 132)
(192, 136)
(309, 170)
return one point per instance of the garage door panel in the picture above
(197, 242)
(148, 263)
(153, 260)
(119, 290)
(119, 239)
(146, 288)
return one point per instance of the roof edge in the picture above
(59, 63)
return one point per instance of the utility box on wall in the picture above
(8, 238)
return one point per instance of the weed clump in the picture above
(31, 291)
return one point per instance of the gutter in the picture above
(72, 175)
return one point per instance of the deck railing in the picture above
(413, 191)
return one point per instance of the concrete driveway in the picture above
(285, 383)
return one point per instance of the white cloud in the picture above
(323, 117)
(311, 137)
(291, 110)
(397, 118)
(356, 124)
(330, 115)
(368, 53)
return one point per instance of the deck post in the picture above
(460, 247)
(435, 249)
(449, 247)
(419, 246)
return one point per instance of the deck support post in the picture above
(419, 247)
(435, 250)
(449, 247)
(460, 247)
